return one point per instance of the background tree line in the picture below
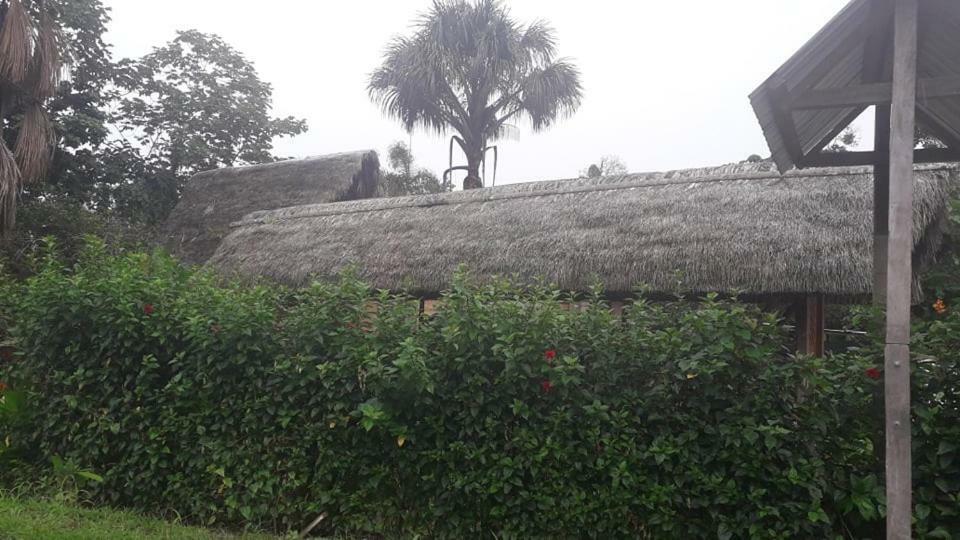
(124, 135)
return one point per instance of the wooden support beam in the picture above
(864, 95)
(811, 329)
(875, 67)
(782, 116)
(900, 271)
(881, 202)
(853, 159)
(947, 135)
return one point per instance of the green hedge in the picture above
(504, 414)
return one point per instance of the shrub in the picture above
(506, 413)
(69, 223)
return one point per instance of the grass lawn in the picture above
(30, 519)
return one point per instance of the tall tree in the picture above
(472, 68)
(194, 104)
(30, 67)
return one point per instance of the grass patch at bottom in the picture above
(36, 519)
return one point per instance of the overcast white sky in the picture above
(665, 81)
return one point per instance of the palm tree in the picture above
(29, 75)
(470, 67)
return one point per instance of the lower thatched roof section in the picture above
(741, 227)
(212, 200)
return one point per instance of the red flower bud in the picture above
(148, 309)
(550, 355)
(3, 386)
(873, 373)
(546, 386)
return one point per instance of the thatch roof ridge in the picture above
(212, 200)
(544, 188)
(721, 229)
(277, 165)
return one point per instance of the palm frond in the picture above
(407, 87)
(9, 189)
(34, 144)
(538, 43)
(551, 92)
(47, 58)
(16, 43)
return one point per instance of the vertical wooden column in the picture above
(811, 330)
(900, 271)
(881, 202)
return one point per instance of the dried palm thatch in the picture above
(35, 141)
(29, 74)
(741, 227)
(46, 59)
(16, 43)
(212, 200)
(9, 188)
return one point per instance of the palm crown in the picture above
(30, 64)
(470, 67)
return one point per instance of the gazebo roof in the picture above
(845, 68)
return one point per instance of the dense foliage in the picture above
(194, 104)
(507, 413)
(129, 133)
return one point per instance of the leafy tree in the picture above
(405, 178)
(78, 109)
(607, 166)
(470, 67)
(192, 105)
(30, 62)
(847, 139)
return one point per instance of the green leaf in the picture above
(946, 447)
(90, 476)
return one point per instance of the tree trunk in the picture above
(474, 157)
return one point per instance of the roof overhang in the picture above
(846, 68)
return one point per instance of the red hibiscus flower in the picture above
(546, 386)
(873, 373)
(550, 355)
(148, 309)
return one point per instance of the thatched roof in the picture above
(739, 227)
(212, 200)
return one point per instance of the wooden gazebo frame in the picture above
(903, 57)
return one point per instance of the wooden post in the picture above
(881, 202)
(811, 329)
(900, 271)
